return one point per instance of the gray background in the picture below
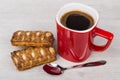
(40, 15)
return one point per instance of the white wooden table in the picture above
(40, 15)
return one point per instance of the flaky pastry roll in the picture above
(33, 56)
(32, 38)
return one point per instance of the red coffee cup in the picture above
(76, 45)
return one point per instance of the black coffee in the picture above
(77, 20)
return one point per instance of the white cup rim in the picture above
(79, 31)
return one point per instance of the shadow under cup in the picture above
(76, 45)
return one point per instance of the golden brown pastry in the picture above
(32, 38)
(30, 57)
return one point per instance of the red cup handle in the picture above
(105, 34)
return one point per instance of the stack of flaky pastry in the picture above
(39, 48)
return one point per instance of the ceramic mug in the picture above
(76, 45)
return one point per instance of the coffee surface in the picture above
(77, 20)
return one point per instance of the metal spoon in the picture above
(55, 69)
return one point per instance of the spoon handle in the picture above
(90, 64)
